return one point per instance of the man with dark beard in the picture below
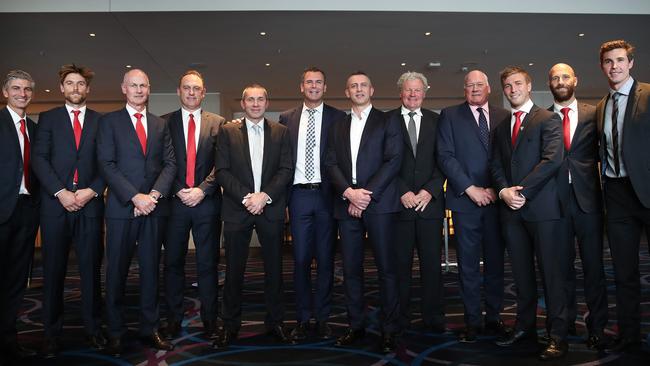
(579, 190)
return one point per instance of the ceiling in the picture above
(226, 46)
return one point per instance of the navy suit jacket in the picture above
(461, 154)
(582, 161)
(636, 138)
(204, 171)
(291, 119)
(126, 170)
(55, 158)
(11, 164)
(378, 163)
(533, 163)
(420, 171)
(234, 171)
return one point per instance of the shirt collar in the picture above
(526, 107)
(70, 109)
(624, 89)
(573, 106)
(132, 111)
(364, 113)
(250, 124)
(15, 117)
(318, 109)
(406, 111)
(186, 114)
(475, 107)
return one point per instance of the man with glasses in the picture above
(136, 159)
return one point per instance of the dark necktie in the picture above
(617, 162)
(484, 131)
(516, 127)
(76, 127)
(566, 127)
(413, 135)
(191, 152)
(139, 130)
(310, 145)
(26, 156)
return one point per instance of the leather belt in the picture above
(311, 186)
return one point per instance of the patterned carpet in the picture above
(256, 348)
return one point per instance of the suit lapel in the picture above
(368, 128)
(130, 130)
(294, 129)
(345, 131)
(524, 124)
(247, 152)
(325, 124)
(267, 146)
(89, 121)
(204, 133)
(405, 133)
(8, 123)
(468, 117)
(632, 104)
(68, 130)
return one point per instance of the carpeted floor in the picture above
(254, 348)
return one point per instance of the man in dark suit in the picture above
(72, 206)
(623, 120)
(19, 208)
(419, 224)
(524, 165)
(253, 165)
(464, 147)
(195, 205)
(136, 159)
(310, 203)
(363, 161)
(581, 197)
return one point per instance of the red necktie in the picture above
(191, 152)
(25, 155)
(566, 126)
(76, 126)
(516, 127)
(139, 130)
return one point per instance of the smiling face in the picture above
(313, 87)
(75, 89)
(359, 90)
(517, 89)
(412, 94)
(562, 81)
(616, 66)
(18, 93)
(254, 103)
(477, 89)
(191, 92)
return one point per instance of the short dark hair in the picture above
(68, 69)
(511, 70)
(619, 43)
(311, 69)
(191, 72)
(254, 86)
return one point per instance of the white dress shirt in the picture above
(573, 120)
(417, 117)
(299, 174)
(134, 120)
(624, 93)
(16, 118)
(82, 115)
(185, 114)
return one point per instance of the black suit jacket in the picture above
(126, 170)
(533, 163)
(420, 171)
(234, 171)
(461, 154)
(582, 161)
(636, 138)
(378, 163)
(56, 157)
(291, 119)
(11, 165)
(204, 171)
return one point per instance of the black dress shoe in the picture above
(514, 337)
(554, 350)
(623, 344)
(300, 331)
(388, 343)
(598, 341)
(96, 342)
(156, 340)
(323, 330)
(210, 329)
(50, 348)
(350, 337)
(114, 347)
(225, 340)
(279, 334)
(468, 335)
(173, 329)
(497, 328)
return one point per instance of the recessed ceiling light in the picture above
(427, 33)
(92, 34)
(531, 63)
(581, 34)
(267, 64)
(403, 63)
(128, 66)
(47, 90)
(262, 33)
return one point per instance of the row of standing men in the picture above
(517, 177)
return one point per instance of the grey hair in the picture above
(412, 75)
(17, 74)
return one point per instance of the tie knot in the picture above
(191, 116)
(311, 111)
(76, 113)
(411, 114)
(480, 109)
(565, 111)
(518, 114)
(615, 96)
(138, 116)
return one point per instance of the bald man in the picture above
(580, 194)
(136, 159)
